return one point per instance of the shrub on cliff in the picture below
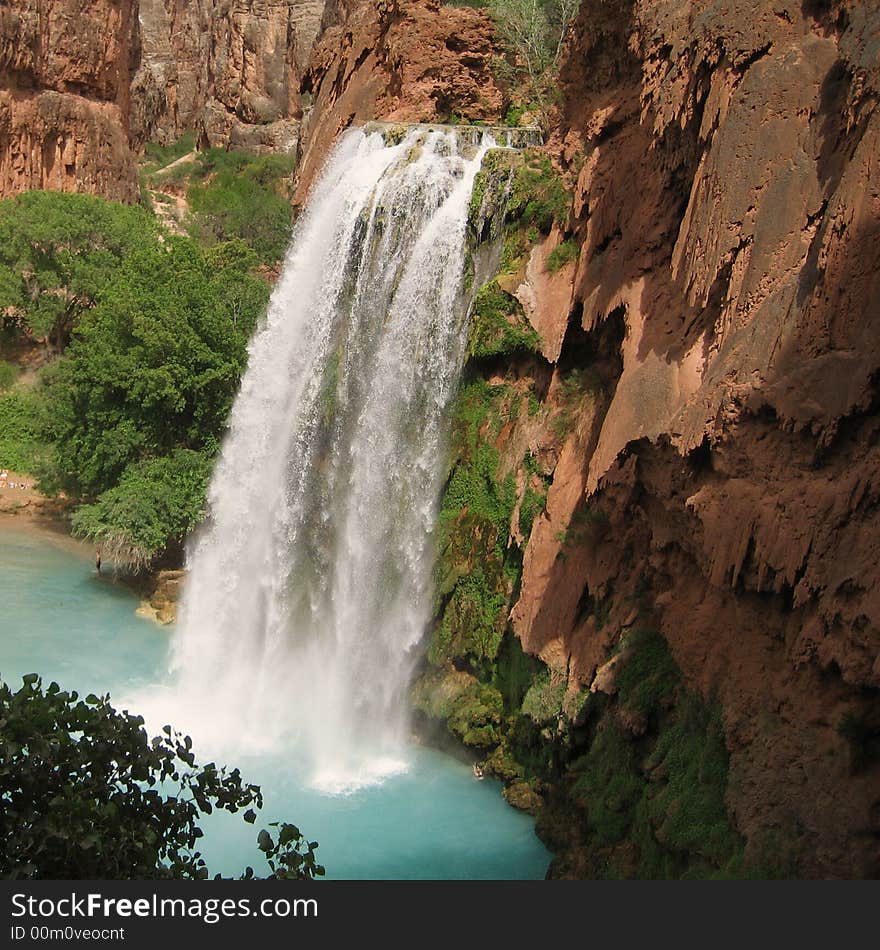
(86, 794)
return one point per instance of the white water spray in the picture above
(309, 588)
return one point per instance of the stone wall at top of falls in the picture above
(398, 60)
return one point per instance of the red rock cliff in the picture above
(84, 85)
(231, 71)
(64, 93)
(726, 168)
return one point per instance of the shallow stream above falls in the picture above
(433, 820)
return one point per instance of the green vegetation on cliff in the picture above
(643, 793)
(476, 569)
(230, 195)
(498, 326)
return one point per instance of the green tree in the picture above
(58, 253)
(245, 197)
(155, 365)
(85, 794)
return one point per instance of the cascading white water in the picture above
(309, 586)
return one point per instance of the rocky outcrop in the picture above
(724, 163)
(231, 71)
(396, 60)
(64, 96)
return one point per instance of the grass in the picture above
(498, 325)
(22, 428)
(8, 375)
(562, 254)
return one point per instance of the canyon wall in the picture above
(65, 69)
(229, 70)
(725, 164)
(84, 85)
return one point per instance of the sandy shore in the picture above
(24, 508)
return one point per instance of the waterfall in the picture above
(309, 586)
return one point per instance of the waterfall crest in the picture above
(309, 585)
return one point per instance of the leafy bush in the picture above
(561, 255)
(85, 794)
(23, 427)
(238, 195)
(498, 326)
(543, 701)
(538, 196)
(156, 501)
(8, 375)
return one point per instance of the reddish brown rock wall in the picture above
(726, 167)
(64, 93)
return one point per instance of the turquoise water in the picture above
(434, 821)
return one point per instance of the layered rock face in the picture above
(726, 168)
(229, 70)
(65, 69)
(84, 85)
(398, 60)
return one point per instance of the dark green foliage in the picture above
(543, 700)
(155, 366)
(8, 375)
(610, 785)
(473, 577)
(85, 794)
(649, 677)
(156, 501)
(515, 672)
(663, 791)
(58, 253)
(687, 811)
(498, 326)
(238, 195)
